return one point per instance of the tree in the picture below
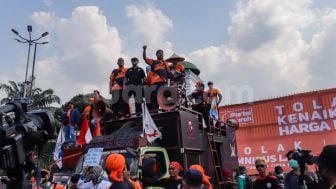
(13, 90)
(44, 98)
(40, 98)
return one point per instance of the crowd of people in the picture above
(116, 175)
(298, 178)
(133, 82)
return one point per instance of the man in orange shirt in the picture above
(176, 69)
(214, 98)
(213, 94)
(159, 77)
(119, 105)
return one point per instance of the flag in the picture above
(149, 127)
(58, 148)
(96, 131)
(85, 135)
(213, 112)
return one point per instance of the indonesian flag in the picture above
(57, 155)
(85, 135)
(149, 127)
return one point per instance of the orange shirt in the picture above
(160, 72)
(213, 94)
(179, 68)
(117, 78)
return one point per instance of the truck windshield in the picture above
(131, 160)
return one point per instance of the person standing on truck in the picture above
(133, 82)
(71, 118)
(176, 69)
(263, 180)
(198, 98)
(214, 99)
(159, 75)
(206, 178)
(119, 105)
(115, 165)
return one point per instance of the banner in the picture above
(271, 128)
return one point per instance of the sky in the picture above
(250, 49)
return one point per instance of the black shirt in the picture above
(269, 182)
(135, 76)
(122, 185)
(167, 183)
(198, 96)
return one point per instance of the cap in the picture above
(134, 59)
(327, 157)
(175, 58)
(193, 178)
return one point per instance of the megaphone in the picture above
(100, 110)
(168, 98)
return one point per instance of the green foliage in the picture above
(40, 98)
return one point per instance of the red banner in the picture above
(270, 128)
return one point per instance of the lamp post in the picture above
(30, 42)
(33, 68)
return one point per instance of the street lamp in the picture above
(30, 42)
(33, 77)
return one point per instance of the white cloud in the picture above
(274, 48)
(88, 49)
(152, 24)
(269, 51)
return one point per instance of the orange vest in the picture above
(117, 78)
(160, 70)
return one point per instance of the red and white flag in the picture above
(149, 127)
(85, 135)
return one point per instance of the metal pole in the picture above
(32, 79)
(25, 83)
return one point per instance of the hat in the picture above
(115, 164)
(134, 59)
(193, 178)
(327, 157)
(199, 84)
(176, 165)
(175, 58)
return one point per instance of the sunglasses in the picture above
(261, 165)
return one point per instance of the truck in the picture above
(185, 139)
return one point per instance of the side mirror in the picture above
(149, 167)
